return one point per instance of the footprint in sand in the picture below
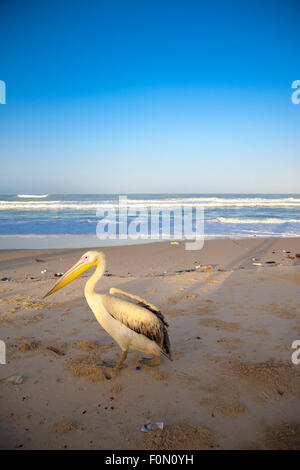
(180, 436)
(229, 409)
(65, 426)
(231, 343)
(261, 331)
(175, 300)
(278, 310)
(283, 436)
(219, 324)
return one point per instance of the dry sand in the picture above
(232, 384)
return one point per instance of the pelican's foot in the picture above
(150, 362)
(111, 373)
(108, 372)
(108, 369)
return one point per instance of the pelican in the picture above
(139, 326)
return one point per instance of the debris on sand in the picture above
(55, 350)
(16, 379)
(180, 436)
(149, 426)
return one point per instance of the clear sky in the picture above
(149, 96)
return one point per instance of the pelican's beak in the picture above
(70, 275)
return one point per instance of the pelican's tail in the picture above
(167, 355)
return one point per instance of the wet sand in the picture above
(231, 385)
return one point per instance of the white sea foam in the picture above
(250, 235)
(224, 220)
(32, 196)
(167, 203)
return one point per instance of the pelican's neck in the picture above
(97, 274)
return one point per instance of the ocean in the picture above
(60, 220)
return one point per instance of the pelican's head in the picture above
(88, 260)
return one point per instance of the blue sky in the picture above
(149, 96)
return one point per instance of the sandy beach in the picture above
(233, 313)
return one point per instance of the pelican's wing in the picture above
(145, 303)
(139, 319)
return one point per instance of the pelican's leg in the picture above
(122, 359)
